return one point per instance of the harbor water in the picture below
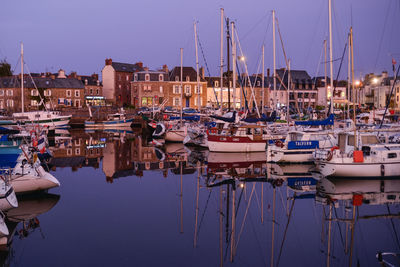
(125, 203)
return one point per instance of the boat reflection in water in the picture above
(24, 220)
(250, 212)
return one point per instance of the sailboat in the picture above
(52, 119)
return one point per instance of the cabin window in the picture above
(392, 155)
(370, 139)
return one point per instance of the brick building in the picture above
(57, 90)
(149, 87)
(93, 88)
(190, 90)
(116, 81)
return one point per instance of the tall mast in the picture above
(197, 67)
(274, 52)
(181, 82)
(222, 57)
(288, 93)
(22, 76)
(262, 81)
(228, 64)
(326, 80)
(348, 77)
(233, 63)
(330, 53)
(354, 90)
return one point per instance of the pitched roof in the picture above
(126, 67)
(187, 71)
(41, 82)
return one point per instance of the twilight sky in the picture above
(77, 35)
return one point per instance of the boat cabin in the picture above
(346, 141)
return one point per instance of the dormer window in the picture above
(187, 78)
(135, 77)
(216, 83)
(176, 78)
(86, 82)
(161, 77)
(147, 77)
(258, 83)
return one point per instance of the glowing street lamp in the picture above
(375, 80)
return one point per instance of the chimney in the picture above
(108, 61)
(140, 64)
(95, 76)
(52, 76)
(202, 73)
(73, 75)
(165, 68)
(268, 72)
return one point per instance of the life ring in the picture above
(330, 153)
(279, 143)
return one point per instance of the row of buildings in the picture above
(134, 85)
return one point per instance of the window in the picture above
(77, 93)
(161, 89)
(10, 103)
(216, 83)
(258, 83)
(135, 77)
(196, 89)
(127, 77)
(69, 152)
(91, 91)
(34, 103)
(33, 92)
(177, 101)
(47, 92)
(77, 103)
(77, 151)
(187, 78)
(68, 102)
(97, 91)
(144, 101)
(392, 155)
(196, 101)
(1, 104)
(161, 77)
(147, 77)
(176, 78)
(69, 93)
(187, 89)
(10, 92)
(1, 92)
(177, 89)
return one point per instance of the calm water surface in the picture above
(124, 203)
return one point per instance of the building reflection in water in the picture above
(245, 185)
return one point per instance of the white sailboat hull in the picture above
(235, 147)
(176, 135)
(359, 169)
(277, 154)
(29, 183)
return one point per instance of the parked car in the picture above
(189, 111)
(169, 109)
(143, 110)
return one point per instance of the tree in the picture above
(5, 68)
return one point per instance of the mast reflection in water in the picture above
(125, 202)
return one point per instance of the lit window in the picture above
(147, 77)
(69, 93)
(161, 77)
(161, 89)
(216, 83)
(187, 89)
(9, 92)
(77, 93)
(187, 78)
(176, 78)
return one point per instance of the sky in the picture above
(79, 35)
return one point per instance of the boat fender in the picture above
(165, 117)
(279, 143)
(382, 170)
